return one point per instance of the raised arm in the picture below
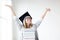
(11, 7)
(42, 17)
(15, 17)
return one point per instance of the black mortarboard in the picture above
(23, 16)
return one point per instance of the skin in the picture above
(28, 20)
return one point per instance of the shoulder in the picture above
(34, 25)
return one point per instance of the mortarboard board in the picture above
(23, 16)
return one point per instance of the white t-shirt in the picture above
(28, 33)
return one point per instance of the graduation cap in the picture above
(24, 15)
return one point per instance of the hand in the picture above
(11, 9)
(48, 9)
(9, 6)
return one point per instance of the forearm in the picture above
(44, 15)
(47, 10)
(13, 12)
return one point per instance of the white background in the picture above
(50, 26)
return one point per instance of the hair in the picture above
(25, 24)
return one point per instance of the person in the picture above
(29, 30)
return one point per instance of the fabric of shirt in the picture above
(28, 33)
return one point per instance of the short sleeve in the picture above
(38, 22)
(18, 21)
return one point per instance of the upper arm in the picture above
(38, 23)
(18, 21)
